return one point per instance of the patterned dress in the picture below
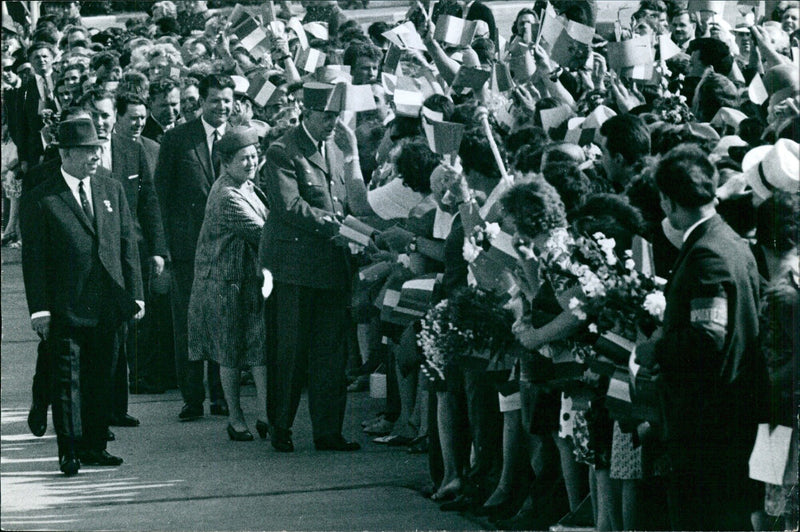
(590, 429)
(226, 308)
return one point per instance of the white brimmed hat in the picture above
(776, 167)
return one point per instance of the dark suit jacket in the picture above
(27, 123)
(65, 253)
(151, 148)
(130, 168)
(709, 358)
(184, 175)
(152, 130)
(302, 189)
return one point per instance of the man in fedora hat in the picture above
(312, 183)
(82, 281)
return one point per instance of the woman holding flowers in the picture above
(540, 220)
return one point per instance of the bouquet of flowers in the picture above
(618, 303)
(672, 109)
(473, 325)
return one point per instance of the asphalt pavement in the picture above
(190, 476)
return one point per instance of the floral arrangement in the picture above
(472, 323)
(618, 298)
(672, 108)
(480, 240)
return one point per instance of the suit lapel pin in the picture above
(108, 205)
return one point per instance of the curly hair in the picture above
(416, 163)
(612, 215)
(165, 50)
(571, 183)
(535, 206)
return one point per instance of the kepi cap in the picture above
(317, 95)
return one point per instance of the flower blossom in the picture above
(470, 251)
(492, 230)
(655, 303)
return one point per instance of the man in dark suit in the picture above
(125, 160)
(311, 186)
(715, 378)
(165, 108)
(154, 370)
(80, 265)
(184, 175)
(33, 97)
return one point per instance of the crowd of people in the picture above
(572, 256)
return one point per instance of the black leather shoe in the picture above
(99, 458)
(262, 429)
(335, 443)
(191, 412)
(37, 420)
(219, 409)
(282, 440)
(69, 465)
(124, 421)
(235, 435)
(110, 436)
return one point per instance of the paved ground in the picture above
(189, 476)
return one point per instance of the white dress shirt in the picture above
(105, 155)
(694, 226)
(210, 133)
(73, 183)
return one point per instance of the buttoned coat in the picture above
(26, 131)
(708, 353)
(63, 249)
(226, 308)
(183, 178)
(131, 169)
(304, 190)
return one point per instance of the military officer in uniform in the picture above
(311, 183)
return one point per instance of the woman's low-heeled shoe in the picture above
(262, 429)
(236, 435)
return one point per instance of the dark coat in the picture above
(152, 130)
(65, 254)
(151, 149)
(302, 189)
(709, 358)
(131, 169)
(183, 178)
(27, 122)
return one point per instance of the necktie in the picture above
(215, 161)
(87, 207)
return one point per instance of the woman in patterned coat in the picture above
(226, 320)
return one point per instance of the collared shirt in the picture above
(694, 226)
(105, 155)
(73, 182)
(45, 87)
(209, 129)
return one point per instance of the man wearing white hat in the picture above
(770, 168)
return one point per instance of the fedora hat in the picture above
(76, 133)
(776, 167)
